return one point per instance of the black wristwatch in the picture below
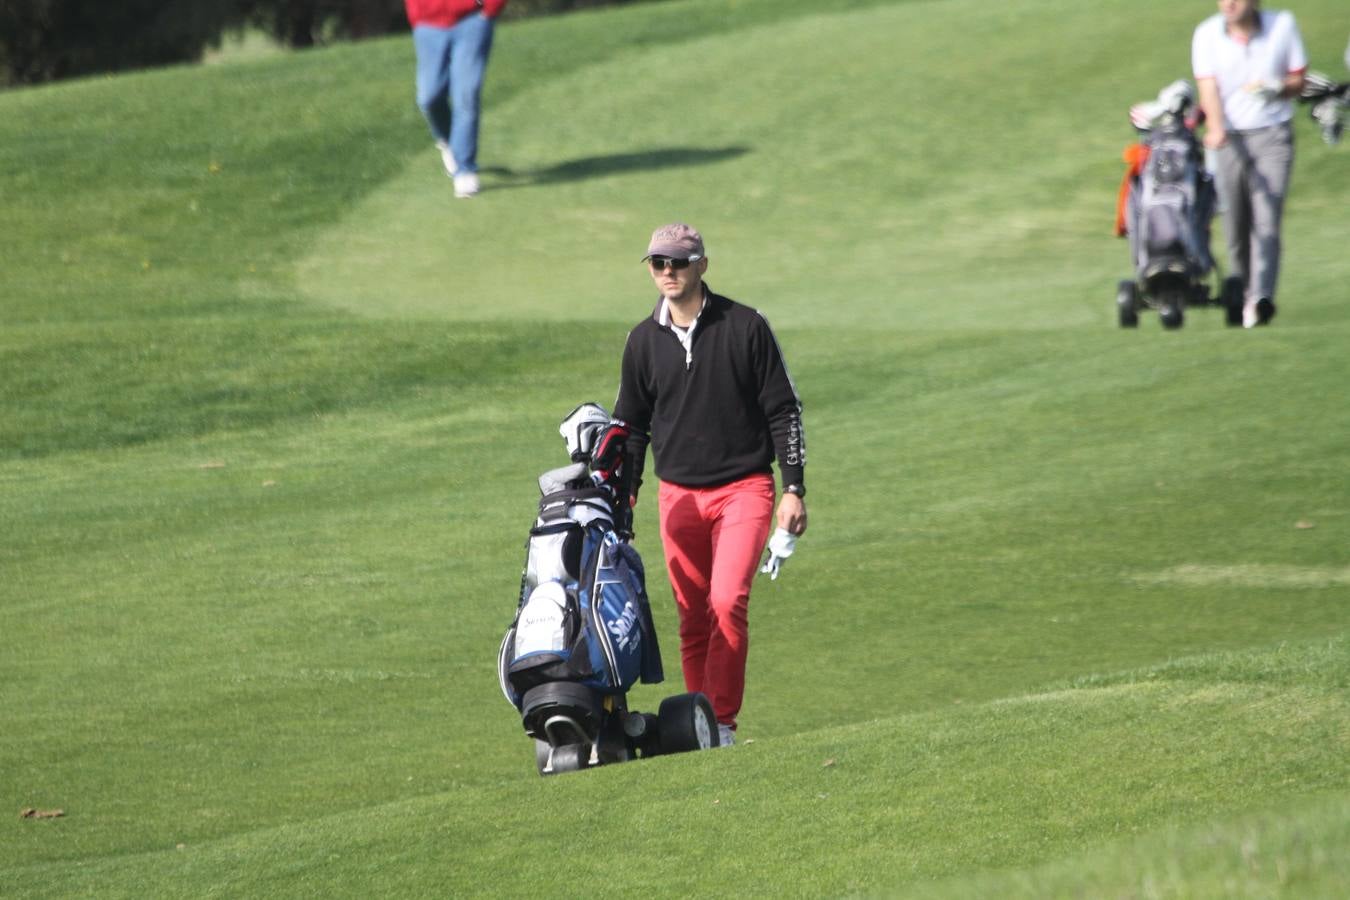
(798, 489)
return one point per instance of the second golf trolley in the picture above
(1166, 204)
(583, 633)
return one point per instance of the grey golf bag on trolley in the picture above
(1169, 205)
(583, 634)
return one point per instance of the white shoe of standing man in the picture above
(448, 158)
(725, 736)
(466, 184)
(1258, 312)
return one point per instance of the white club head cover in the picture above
(1144, 116)
(580, 429)
(1177, 97)
(781, 545)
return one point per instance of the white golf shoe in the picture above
(466, 184)
(725, 736)
(448, 158)
(1258, 312)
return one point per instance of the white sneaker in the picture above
(1265, 311)
(466, 184)
(1249, 315)
(725, 736)
(448, 158)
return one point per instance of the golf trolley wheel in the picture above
(1231, 296)
(1171, 311)
(1127, 304)
(687, 723)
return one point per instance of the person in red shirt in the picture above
(452, 39)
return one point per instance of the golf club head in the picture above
(582, 428)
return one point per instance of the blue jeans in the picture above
(450, 67)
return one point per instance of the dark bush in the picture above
(46, 40)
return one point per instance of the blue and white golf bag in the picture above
(583, 632)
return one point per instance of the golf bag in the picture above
(1167, 202)
(583, 614)
(583, 634)
(1171, 206)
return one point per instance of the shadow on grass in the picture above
(611, 164)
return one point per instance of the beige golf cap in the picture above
(676, 240)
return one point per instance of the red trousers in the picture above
(713, 539)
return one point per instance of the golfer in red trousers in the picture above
(703, 380)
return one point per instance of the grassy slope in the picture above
(1074, 773)
(228, 509)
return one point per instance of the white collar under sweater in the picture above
(686, 335)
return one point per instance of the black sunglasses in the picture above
(659, 263)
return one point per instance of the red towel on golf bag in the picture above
(1136, 156)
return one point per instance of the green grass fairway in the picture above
(1071, 619)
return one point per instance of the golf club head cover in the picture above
(1177, 97)
(781, 544)
(581, 429)
(607, 457)
(1330, 114)
(1316, 86)
(1144, 116)
(610, 469)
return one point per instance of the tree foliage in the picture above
(304, 23)
(46, 40)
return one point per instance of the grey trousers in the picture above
(1252, 178)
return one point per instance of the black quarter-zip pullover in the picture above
(723, 413)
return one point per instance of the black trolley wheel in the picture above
(1127, 304)
(1172, 310)
(1231, 296)
(687, 723)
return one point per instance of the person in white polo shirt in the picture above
(1249, 65)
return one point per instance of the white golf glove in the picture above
(1266, 90)
(781, 545)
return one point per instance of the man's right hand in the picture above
(1215, 136)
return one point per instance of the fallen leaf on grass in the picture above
(1304, 523)
(827, 763)
(213, 464)
(41, 813)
